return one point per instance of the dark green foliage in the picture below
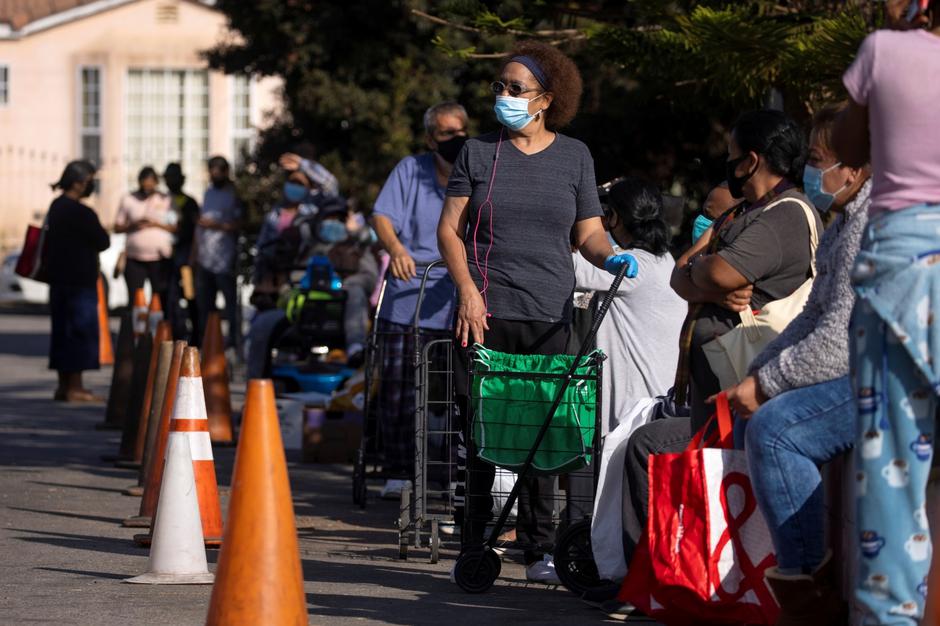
(663, 79)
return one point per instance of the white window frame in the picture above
(195, 170)
(79, 110)
(236, 134)
(6, 84)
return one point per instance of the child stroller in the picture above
(570, 444)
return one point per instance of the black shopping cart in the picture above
(571, 442)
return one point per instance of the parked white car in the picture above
(14, 288)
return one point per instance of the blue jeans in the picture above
(786, 441)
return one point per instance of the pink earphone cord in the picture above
(488, 203)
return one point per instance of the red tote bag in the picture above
(706, 547)
(30, 264)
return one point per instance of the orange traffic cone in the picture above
(155, 312)
(215, 378)
(155, 450)
(164, 363)
(141, 316)
(189, 416)
(143, 348)
(135, 450)
(259, 579)
(105, 349)
(119, 394)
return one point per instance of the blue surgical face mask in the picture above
(332, 231)
(700, 225)
(813, 187)
(294, 192)
(513, 113)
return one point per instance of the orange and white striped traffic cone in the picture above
(141, 315)
(155, 312)
(189, 416)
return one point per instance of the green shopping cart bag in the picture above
(511, 396)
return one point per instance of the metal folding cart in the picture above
(370, 461)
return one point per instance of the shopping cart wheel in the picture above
(359, 479)
(574, 560)
(477, 569)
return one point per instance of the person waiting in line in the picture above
(749, 258)
(640, 334)
(755, 256)
(893, 117)
(217, 251)
(796, 409)
(323, 184)
(517, 200)
(187, 212)
(717, 202)
(284, 238)
(405, 218)
(73, 241)
(145, 215)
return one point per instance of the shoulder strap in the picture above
(810, 221)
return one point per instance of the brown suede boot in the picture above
(808, 600)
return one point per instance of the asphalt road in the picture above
(63, 553)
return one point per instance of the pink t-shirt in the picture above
(146, 244)
(896, 74)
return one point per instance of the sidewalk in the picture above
(65, 553)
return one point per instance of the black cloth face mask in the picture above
(451, 148)
(736, 183)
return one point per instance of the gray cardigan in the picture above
(814, 347)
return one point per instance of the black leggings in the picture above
(534, 526)
(157, 272)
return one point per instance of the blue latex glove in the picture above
(615, 261)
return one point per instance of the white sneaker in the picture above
(542, 572)
(393, 488)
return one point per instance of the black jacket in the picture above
(73, 241)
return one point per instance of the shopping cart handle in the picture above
(602, 309)
(424, 281)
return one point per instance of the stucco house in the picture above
(122, 83)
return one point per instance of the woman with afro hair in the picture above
(517, 200)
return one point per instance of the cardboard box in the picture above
(331, 436)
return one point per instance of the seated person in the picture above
(347, 243)
(283, 240)
(640, 334)
(750, 257)
(796, 409)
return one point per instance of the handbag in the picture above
(706, 547)
(31, 263)
(730, 354)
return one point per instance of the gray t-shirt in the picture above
(535, 201)
(771, 249)
(216, 249)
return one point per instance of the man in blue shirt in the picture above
(405, 219)
(217, 249)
